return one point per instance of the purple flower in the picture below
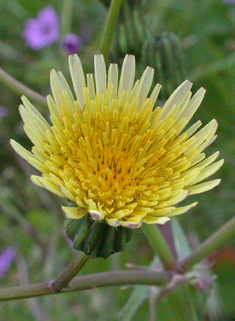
(43, 30)
(6, 258)
(71, 43)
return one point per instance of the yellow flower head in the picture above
(112, 153)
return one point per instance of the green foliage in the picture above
(31, 220)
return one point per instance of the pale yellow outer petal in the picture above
(72, 212)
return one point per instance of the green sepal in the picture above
(96, 239)
(164, 53)
(131, 31)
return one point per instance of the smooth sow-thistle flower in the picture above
(112, 152)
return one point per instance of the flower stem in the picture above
(159, 245)
(66, 16)
(69, 273)
(89, 281)
(208, 246)
(147, 276)
(21, 89)
(166, 231)
(106, 38)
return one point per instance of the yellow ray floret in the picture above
(112, 152)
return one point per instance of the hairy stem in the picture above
(85, 282)
(21, 89)
(109, 27)
(69, 273)
(146, 276)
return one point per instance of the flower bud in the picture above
(165, 55)
(71, 43)
(96, 239)
(131, 31)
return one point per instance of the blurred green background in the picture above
(31, 220)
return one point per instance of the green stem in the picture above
(110, 26)
(208, 246)
(69, 273)
(66, 16)
(21, 89)
(86, 282)
(159, 245)
(147, 277)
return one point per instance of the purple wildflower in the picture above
(6, 258)
(3, 112)
(71, 43)
(43, 30)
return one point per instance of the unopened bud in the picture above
(164, 54)
(131, 32)
(96, 239)
(71, 43)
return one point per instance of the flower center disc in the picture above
(113, 159)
